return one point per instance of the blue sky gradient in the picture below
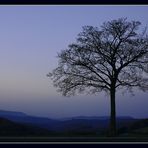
(31, 36)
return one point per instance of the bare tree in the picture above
(106, 59)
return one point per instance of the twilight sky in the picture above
(31, 36)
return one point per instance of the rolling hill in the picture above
(15, 125)
(80, 125)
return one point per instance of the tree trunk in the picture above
(112, 131)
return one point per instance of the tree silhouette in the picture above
(106, 59)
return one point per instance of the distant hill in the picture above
(78, 125)
(11, 113)
(21, 124)
(30, 120)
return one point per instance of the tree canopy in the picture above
(115, 52)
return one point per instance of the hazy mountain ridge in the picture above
(64, 124)
(11, 113)
(17, 123)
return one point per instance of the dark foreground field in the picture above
(16, 132)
